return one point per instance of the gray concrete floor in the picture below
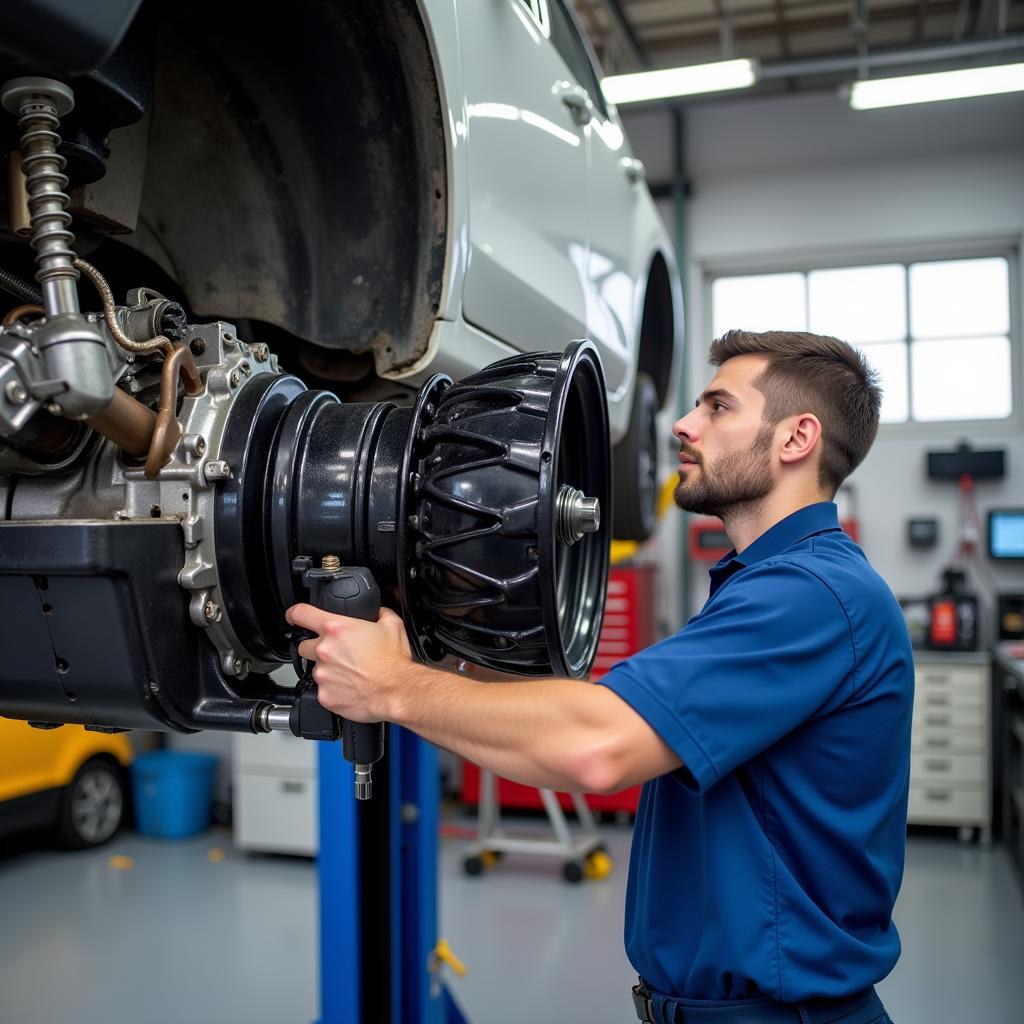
(183, 937)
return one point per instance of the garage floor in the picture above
(193, 931)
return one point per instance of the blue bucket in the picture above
(173, 792)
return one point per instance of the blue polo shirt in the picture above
(770, 864)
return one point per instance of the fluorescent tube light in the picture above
(940, 85)
(658, 85)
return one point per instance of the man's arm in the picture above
(555, 733)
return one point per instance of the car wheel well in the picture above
(296, 175)
(658, 329)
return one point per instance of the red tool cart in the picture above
(629, 626)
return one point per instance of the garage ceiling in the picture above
(629, 35)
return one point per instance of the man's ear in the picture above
(802, 435)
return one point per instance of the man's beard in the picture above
(737, 479)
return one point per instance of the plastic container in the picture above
(173, 792)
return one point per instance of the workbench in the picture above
(1008, 688)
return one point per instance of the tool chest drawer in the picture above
(949, 717)
(948, 768)
(934, 739)
(945, 805)
(950, 697)
(950, 771)
(951, 677)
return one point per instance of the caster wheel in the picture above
(598, 865)
(572, 871)
(473, 866)
(491, 857)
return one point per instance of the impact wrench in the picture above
(350, 591)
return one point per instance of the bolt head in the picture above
(16, 392)
(200, 445)
(211, 611)
(234, 378)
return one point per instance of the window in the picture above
(568, 40)
(937, 332)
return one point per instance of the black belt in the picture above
(862, 1008)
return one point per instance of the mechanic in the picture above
(772, 733)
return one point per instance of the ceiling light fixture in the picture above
(939, 85)
(686, 81)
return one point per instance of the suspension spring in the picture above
(40, 103)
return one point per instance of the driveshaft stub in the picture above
(483, 508)
(508, 487)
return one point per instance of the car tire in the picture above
(635, 467)
(93, 806)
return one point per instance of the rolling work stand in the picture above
(582, 856)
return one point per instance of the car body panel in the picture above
(551, 233)
(37, 760)
(527, 183)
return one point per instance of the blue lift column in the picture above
(378, 889)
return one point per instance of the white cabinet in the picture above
(274, 780)
(950, 761)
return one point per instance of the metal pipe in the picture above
(916, 55)
(126, 422)
(167, 431)
(19, 311)
(17, 196)
(680, 233)
(275, 718)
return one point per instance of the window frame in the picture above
(586, 52)
(825, 259)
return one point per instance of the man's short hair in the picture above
(817, 374)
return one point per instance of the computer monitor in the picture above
(1006, 533)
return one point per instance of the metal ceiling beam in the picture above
(769, 28)
(892, 58)
(625, 30)
(780, 13)
(792, 6)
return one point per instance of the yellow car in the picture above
(73, 780)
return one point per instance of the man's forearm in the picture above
(547, 733)
(553, 733)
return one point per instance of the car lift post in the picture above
(378, 871)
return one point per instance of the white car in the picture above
(381, 191)
(302, 226)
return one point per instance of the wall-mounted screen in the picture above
(1006, 533)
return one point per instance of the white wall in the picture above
(786, 180)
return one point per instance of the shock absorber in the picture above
(39, 104)
(79, 383)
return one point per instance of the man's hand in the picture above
(557, 733)
(360, 665)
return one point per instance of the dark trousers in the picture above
(861, 1008)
